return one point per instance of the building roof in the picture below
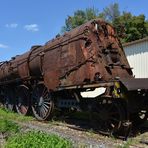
(135, 42)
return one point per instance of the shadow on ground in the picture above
(81, 121)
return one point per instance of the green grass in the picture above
(5, 114)
(8, 126)
(34, 139)
(31, 139)
(127, 144)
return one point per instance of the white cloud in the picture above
(32, 27)
(3, 46)
(13, 25)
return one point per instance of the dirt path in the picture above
(80, 138)
(2, 140)
(86, 139)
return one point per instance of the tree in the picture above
(135, 27)
(111, 13)
(79, 18)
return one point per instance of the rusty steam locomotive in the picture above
(54, 75)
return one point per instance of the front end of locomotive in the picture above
(104, 64)
(104, 54)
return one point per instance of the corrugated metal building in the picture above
(137, 55)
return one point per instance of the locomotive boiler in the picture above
(54, 76)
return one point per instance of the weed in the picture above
(126, 144)
(33, 139)
(5, 114)
(8, 126)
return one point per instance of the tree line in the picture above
(128, 26)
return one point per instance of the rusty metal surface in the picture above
(82, 54)
(102, 84)
(88, 54)
(135, 84)
(22, 66)
(35, 60)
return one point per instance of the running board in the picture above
(135, 83)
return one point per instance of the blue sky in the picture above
(24, 23)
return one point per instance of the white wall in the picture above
(137, 55)
(139, 63)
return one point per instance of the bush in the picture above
(34, 139)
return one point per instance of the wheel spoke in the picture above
(48, 103)
(44, 104)
(46, 109)
(46, 97)
(42, 113)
